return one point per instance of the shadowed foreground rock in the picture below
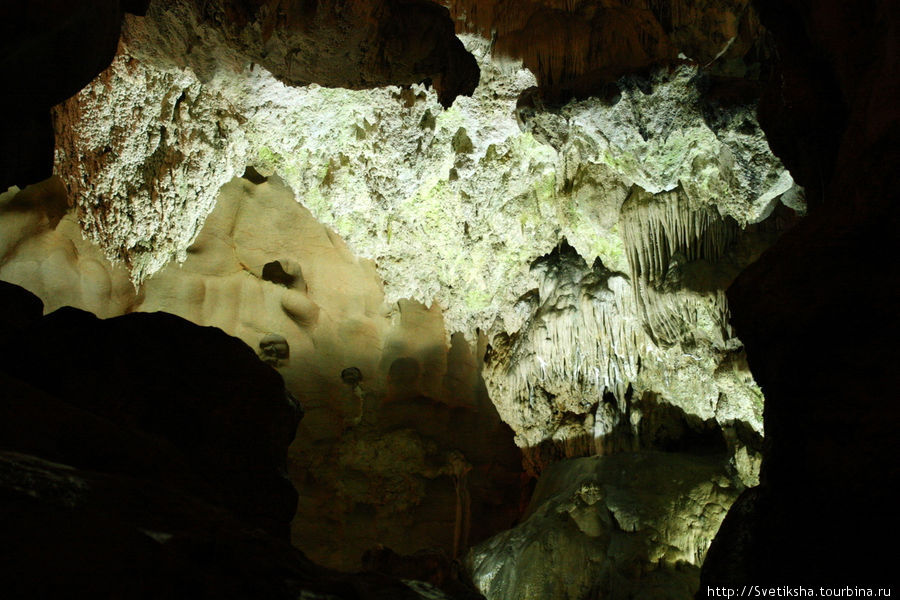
(144, 456)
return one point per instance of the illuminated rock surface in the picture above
(653, 186)
(581, 250)
(633, 352)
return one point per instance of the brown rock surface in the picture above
(356, 45)
(576, 47)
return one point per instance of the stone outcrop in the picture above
(624, 526)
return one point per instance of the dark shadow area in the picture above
(254, 176)
(818, 311)
(144, 457)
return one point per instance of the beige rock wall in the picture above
(411, 456)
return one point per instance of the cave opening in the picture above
(458, 299)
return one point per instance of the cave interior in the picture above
(449, 299)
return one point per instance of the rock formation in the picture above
(666, 191)
(438, 198)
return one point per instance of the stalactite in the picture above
(460, 468)
(582, 342)
(657, 229)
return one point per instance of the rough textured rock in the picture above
(19, 310)
(67, 530)
(420, 189)
(625, 526)
(831, 115)
(817, 312)
(51, 49)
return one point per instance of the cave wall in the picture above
(618, 221)
(831, 119)
(408, 452)
(817, 310)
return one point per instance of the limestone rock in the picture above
(381, 168)
(20, 308)
(664, 191)
(454, 212)
(150, 468)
